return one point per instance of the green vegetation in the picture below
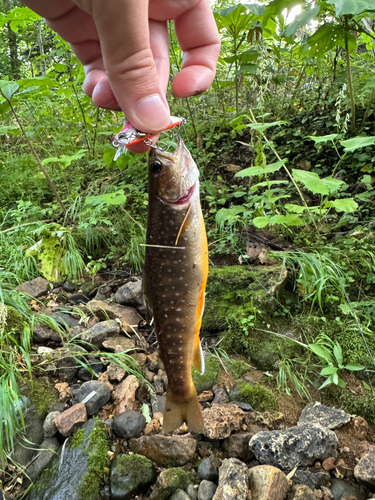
(209, 378)
(260, 398)
(41, 394)
(127, 464)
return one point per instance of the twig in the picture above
(27, 224)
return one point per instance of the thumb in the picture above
(123, 29)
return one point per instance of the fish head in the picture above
(173, 177)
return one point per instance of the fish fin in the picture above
(198, 360)
(178, 413)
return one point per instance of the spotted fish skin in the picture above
(175, 278)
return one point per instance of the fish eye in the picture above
(156, 167)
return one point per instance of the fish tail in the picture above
(188, 412)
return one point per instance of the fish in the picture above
(175, 278)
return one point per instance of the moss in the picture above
(77, 439)
(127, 464)
(45, 477)
(209, 378)
(352, 404)
(179, 478)
(98, 463)
(257, 396)
(14, 321)
(237, 368)
(41, 395)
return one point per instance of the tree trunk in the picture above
(15, 63)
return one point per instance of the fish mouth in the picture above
(185, 198)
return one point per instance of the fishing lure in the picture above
(129, 135)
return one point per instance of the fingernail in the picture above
(152, 113)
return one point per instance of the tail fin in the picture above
(178, 413)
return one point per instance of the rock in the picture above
(100, 332)
(79, 298)
(80, 473)
(205, 396)
(158, 403)
(267, 483)
(127, 315)
(312, 480)
(329, 463)
(159, 386)
(41, 459)
(220, 396)
(207, 471)
(124, 394)
(65, 361)
(342, 489)
(325, 416)
(209, 378)
(42, 350)
(35, 288)
(116, 372)
(49, 426)
(301, 492)
(64, 319)
(221, 420)
(206, 490)
(64, 391)
(118, 344)
(243, 406)
(364, 471)
(169, 481)
(99, 398)
(153, 427)
(95, 366)
(129, 424)
(294, 447)
(70, 420)
(165, 450)
(237, 445)
(192, 492)
(130, 476)
(130, 294)
(180, 495)
(140, 358)
(68, 287)
(56, 406)
(43, 334)
(233, 481)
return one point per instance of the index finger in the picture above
(199, 39)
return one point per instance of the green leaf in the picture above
(234, 19)
(329, 381)
(366, 386)
(248, 69)
(352, 7)
(340, 383)
(287, 220)
(113, 199)
(8, 89)
(354, 368)
(329, 370)
(266, 183)
(267, 169)
(333, 184)
(322, 352)
(311, 181)
(347, 205)
(327, 37)
(65, 160)
(300, 21)
(323, 138)
(261, 221)
(337, 351)
(357, 143)
(276, 7)
(264, 126)
(298, 209)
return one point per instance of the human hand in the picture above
(123, 45)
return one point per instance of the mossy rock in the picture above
(364, 406)
(237, 368)
(260, 398)
(209, 378)
(14, 321)
(130, 476)
(169, 481)
(41, 394)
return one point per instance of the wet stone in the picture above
(100, 397)
(118, 344)
(158, 403)
(100, 332)
(180, 495)
(311, 479)
(192, 492)
(325, 416)
(206, 490)
(41, 459)
(301, 492)
(243, 406)
(43, 334)
(206, 470)
(165, 450)
(70, 420)
(35, 288)
(233, 481)
(342, 489)
(49, 426)
(129, 424)
(130, 476)
(220, 396)
(237, 445)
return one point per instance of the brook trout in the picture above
(175, 277)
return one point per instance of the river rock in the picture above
(49, 426)
(118, 344)
(170, 480)
(100, 332)
(206, 490)
(233, 481)
(340, 489)
(116, 372)
(192, 492)
(221, 420)
(65, 361)
(96, 368)
(221, 396)
(128, 316)
(98, 400)
(130, 294)
(237, 445)
(325, 416)
(124, 394)
(206, 470)
(165, 450)
(364, 471)
(129, 424)
(43, 334)
(312, 480)
(35, 288)
(301, 492)
(267, 483)
(294, 447)
(70, 420)
(64, 319)
(130, 476)
(70, 477)
(158, 403)
(180, 495)
(41, 459)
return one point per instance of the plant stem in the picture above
(349, 73)
(39, 161)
